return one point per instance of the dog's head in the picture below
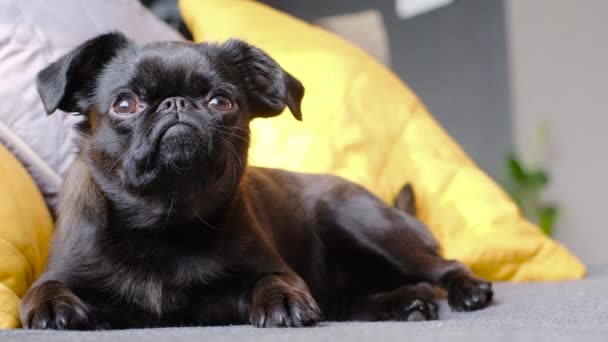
(162, 113)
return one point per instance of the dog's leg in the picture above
(51, 303)
(405, 243)
(407, 303)
(283, 300)
(276, 300)
(406, 251)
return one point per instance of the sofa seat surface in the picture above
(565, 311)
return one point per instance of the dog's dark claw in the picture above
(289, 309)
(59, 316)
(420, 310)
(467, 293)
(411, 303)
(52, 306)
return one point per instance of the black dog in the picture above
(162, 224)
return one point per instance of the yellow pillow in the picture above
(25, 232)
(362, 123)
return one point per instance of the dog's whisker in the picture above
(113, 165)
(203, 221)
(249, 157)
(124, 187)
(233, 150)
(179, 169)
(233, 169)
(234, 175)
(244, 139)
(122, 157)
(169, 212)
(229, 130)
(247, 137)
(228, 127)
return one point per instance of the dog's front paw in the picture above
(467, 293)
(284, 306)
(52, 306)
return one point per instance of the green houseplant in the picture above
(526, 183)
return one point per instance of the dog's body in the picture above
(161, 223)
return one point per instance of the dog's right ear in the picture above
(269, 88)
(68, 83)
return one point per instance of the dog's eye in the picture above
(125, 104)
(220, 103)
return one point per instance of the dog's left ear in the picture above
(69, 82)
(268, 86)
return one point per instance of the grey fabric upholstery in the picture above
(532, 312)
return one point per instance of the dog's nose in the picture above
(176, 103)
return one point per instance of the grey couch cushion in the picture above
(33, 33)
(534, 312)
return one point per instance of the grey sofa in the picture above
(565, 311)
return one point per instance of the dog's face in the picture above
(160, 114)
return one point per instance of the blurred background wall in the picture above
(559, 66)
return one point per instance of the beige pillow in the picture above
(364, 29)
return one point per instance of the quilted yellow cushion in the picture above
(25, 232)
(362, 123)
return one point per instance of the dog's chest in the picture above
(159, 287)
(157, 277)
